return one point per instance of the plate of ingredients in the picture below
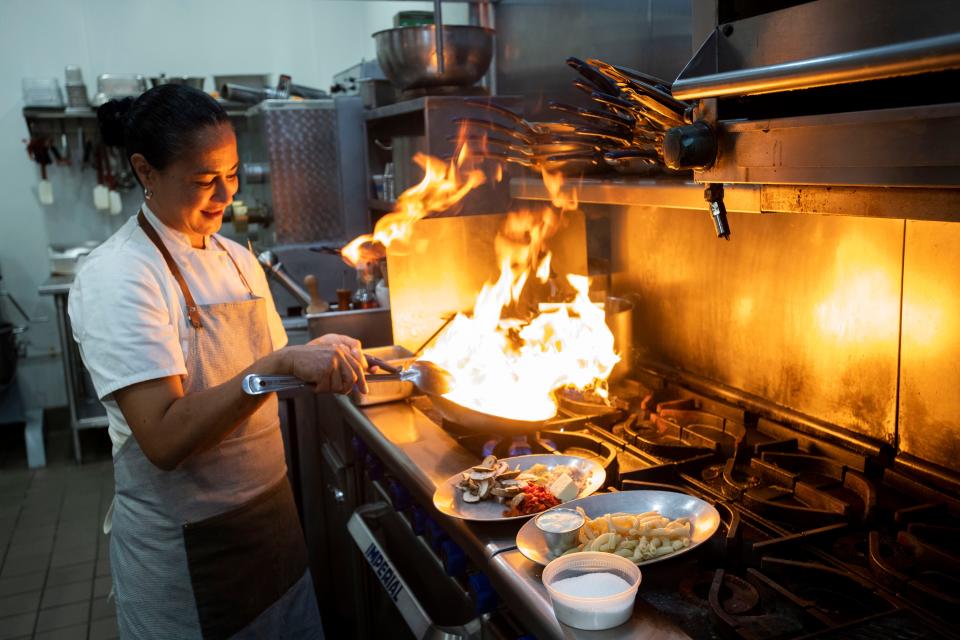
(517, 487)
(643, 526)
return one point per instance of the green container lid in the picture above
(413, 18)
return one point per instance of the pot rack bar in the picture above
(925, 55)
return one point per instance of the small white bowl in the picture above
(592, 613)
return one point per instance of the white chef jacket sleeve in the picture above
(123, 323)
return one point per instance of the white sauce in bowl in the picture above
(559, 521)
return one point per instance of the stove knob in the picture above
(418, 520)
(453, 557)
(359, 447)
(484, 597)
(435, 534)
(373, 467)
(692, 146)
(399, 495)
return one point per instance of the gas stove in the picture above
(817, 540)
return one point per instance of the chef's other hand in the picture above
(331, 368)
(332, 339)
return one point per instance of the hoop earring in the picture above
(147, 194)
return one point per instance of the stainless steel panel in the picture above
(929, 370)
(370, 326)
(827, 27)
(912, 203)
(667, 193)
(888, 61)
(304, 174)
(534, 37)
(801, 310)
(902, 147)
(352, 162)
(449, 261)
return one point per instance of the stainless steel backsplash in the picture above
(822, 315)
(534, 37)
(929, 426)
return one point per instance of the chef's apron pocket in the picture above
(244, 560)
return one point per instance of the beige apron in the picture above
(213, 548)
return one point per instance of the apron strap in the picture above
(235, 265)
(192, 311)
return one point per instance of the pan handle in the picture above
(255, 384)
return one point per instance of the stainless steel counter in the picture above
(56, 286)
(421, 455)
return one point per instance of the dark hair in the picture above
(160, 123)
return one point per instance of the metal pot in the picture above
(408, 56)
(619, 313)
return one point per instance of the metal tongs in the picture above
(427, 376)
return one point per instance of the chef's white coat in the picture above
(129, 315)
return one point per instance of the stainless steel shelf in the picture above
(425, 102)
(41, 113)
(912, 203)
(396, 109)
(673, 194)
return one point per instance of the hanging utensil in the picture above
(493, 126)
(592, 75)
(624, 123)
(625, 74)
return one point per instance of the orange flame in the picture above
(554, 185)
(515, 350)
(443, 186)
(510, 366)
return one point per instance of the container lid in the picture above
(412, 18)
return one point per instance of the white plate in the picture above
(448, 498)
(703, 516)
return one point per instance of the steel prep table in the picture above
(420, 454)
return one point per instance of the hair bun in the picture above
(112, 118)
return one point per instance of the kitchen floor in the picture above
(55, 569)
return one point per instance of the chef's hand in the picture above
(331, 368)
(333, 339)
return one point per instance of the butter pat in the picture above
(564, 488)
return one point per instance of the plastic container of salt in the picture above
(592, 590)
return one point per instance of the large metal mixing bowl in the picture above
(408, 55)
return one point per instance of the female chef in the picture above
(169, 317)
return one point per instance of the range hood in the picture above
(829, 92)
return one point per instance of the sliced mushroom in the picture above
(480, 475)
(517, 499)
(508, 475)
(470, 497)
(484, 488)
(489, 461)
